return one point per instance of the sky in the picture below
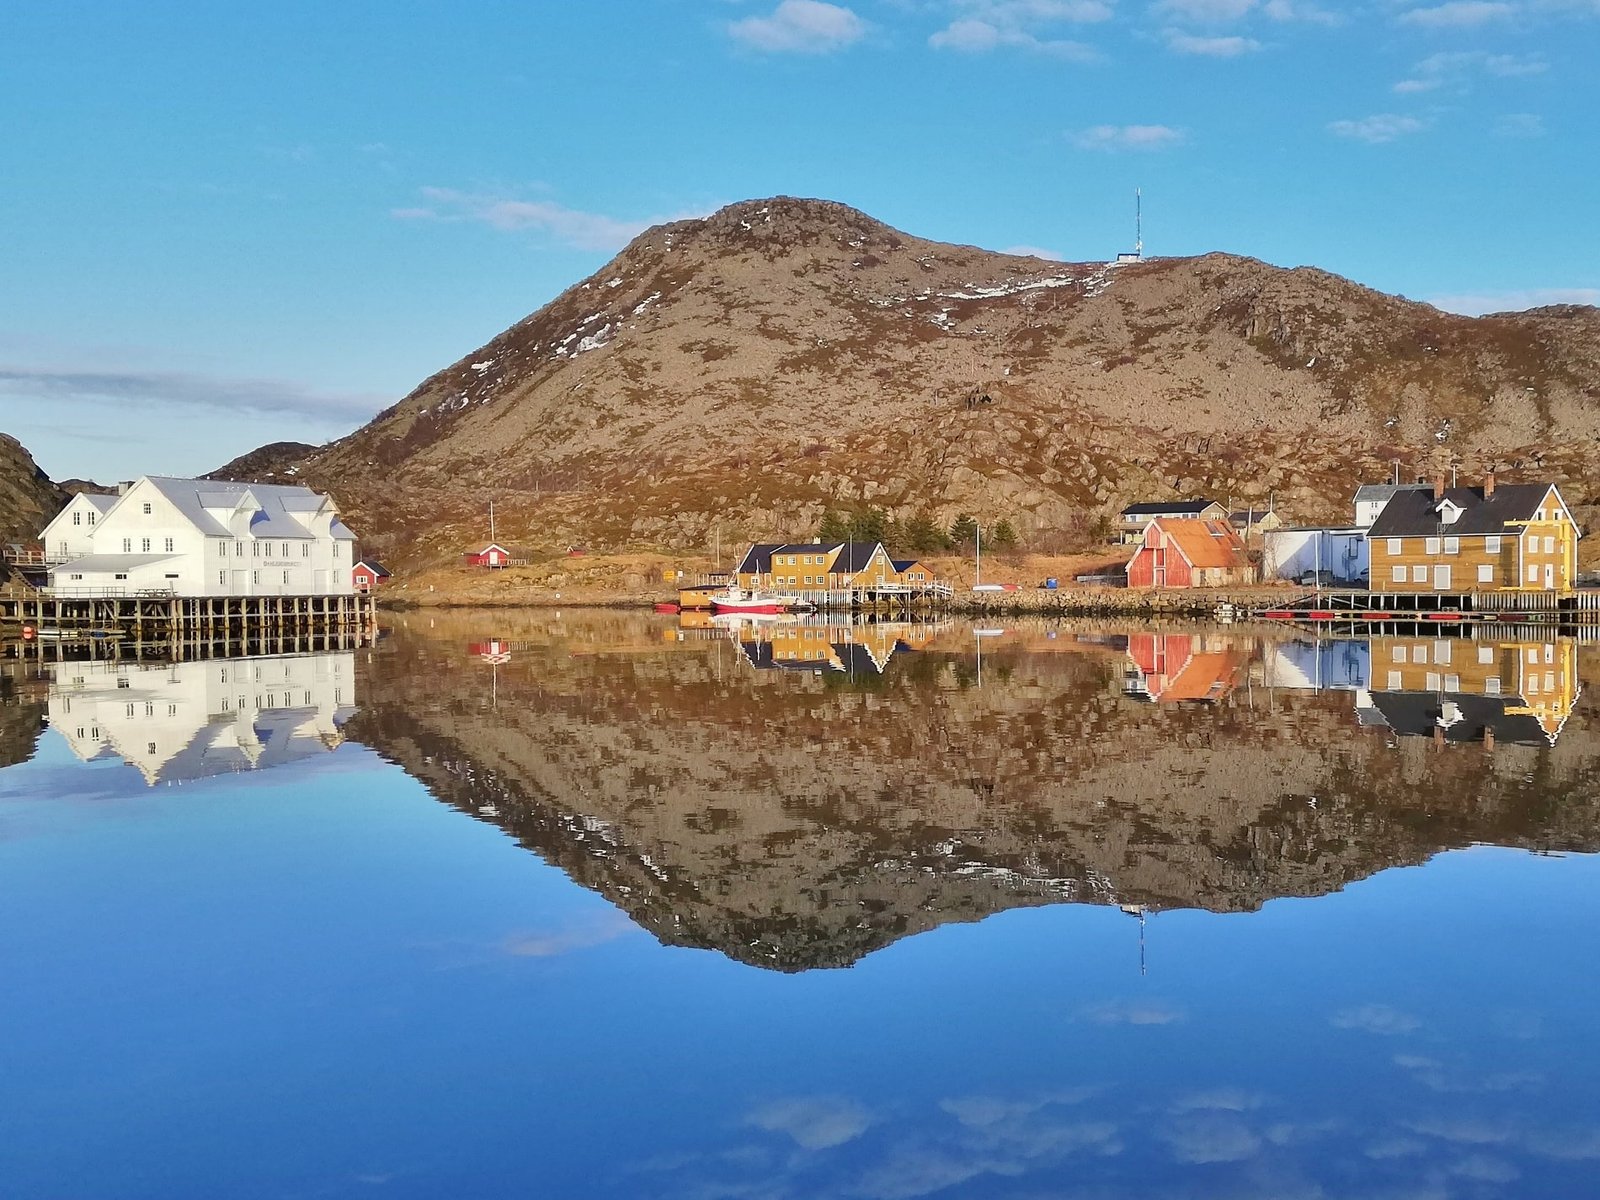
(226, 225)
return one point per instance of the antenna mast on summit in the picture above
(1138, 222)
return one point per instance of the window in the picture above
(286, 579)
(305, 549)
(127, 545)
(1433, 681)
(172, 574)
(255, 576)
(1452, 545)
(1441, 652)
(1431, 546)
(337, 548)
(1394, 545)
(128, 711)
(147, 509)
(1485, 573)
(1533, 683)
(1452, 683)
(77, 518)
(122, 681)
(222, 579)
(1491, 686)
(255, 549)
(238, 549)
(1399, 574)
(1533, 572)
(1549, 652)
(1419, 654)
(1549, 681)
(1549, 545)
(144, 545)
(169, 545)
(286, 549)
(1398, 654)
(76, 576)
(120, 575)
(1394, 681)
(1419, 573)
(91, 518)
(1539, 516)
(1491, 544)
(1485, 654)
(222, 549)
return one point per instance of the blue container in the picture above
(1051, 584)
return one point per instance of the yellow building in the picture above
(812, 566)
(1461, 687)
(1514, 537)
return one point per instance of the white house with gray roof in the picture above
(199, 537)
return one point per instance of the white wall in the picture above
(1290, 553)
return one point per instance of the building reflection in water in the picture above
(816, 643)
(190, 720)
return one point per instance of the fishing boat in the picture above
(743, 600)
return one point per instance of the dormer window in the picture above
(1449, 512)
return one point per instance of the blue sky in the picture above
(226, 225)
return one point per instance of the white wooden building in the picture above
(1343, 555)
(198, 537)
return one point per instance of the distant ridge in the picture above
(747, 369)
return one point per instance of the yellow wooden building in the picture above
(815, 567)
(1511, 537)
(1526, 687)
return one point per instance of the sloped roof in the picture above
(101, 500)
(1168, 508)
(758, 559)
(280, 513)
(112, 562)
(1463, 717)
(1387, 491)
(377, 568)
(1414, 513)
(1208, 543)
(853, 556)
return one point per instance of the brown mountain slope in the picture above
(27, 497)
(785, 354)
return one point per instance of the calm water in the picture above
(598, 906)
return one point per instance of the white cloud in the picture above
(1126, 137)
(1036, 252)
(1519, 125)
(1456, 69)
(1211, 1138)
(814, 1122)
(1383, 127)
(1206, 10)
(188, 391)
(1476, 304)
(1293, 10)
(1210, 47)
(801, 27)
(583, 230)
(1375, 1018)
(985, 25)
(1458, 14)
(580, 934)
(1133, 1012)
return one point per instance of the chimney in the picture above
(1488, 485)
(122, 487)
(1438, 487)
(1488, 733)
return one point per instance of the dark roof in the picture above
(377, 568)
(853, 556)
(1467, 717)
(1168, 508)
(1249, 516)
(1414, 513)
(758, 559)
(1387, 491)
(902, 565)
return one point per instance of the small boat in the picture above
(742, 600)
(667, 606)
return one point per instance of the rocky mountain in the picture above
(782, 355)
(27, 497)
(272, 463)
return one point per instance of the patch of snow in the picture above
(611, 283)
(638, 309)
(595, 340)
(483, 366)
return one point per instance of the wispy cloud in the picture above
(1456, 69)
(814, 1122)
(582, 230)
(1133, 1012)
(1206, 10)
(1519, 125)
(188, 391)
(1375, 1018)
(985, 25)
(580, 934)
(1210, 47)
(1458, 14)
(1126, 137)
(1293, 10)
(1378, 129)
(1476, 304)
(800, 27)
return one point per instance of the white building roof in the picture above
(280, 508)
(112, 562)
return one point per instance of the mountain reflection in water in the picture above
(796, 795)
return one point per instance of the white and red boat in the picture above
(742, 600)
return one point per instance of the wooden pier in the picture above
(1367, 609)
(181, 626)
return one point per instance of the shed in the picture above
(492, 555)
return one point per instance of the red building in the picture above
(367, 575)
(492, 555)
(1180, 553)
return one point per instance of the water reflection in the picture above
(726, 793)
(177, 722)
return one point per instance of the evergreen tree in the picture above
(923, 536)
(1003, 536)
(868, 525)
(832, 529)
(964, 530)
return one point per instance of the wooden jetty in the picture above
(179, 626)
(1372, 609)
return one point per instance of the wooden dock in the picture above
(1370, 609)
(181, 626)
